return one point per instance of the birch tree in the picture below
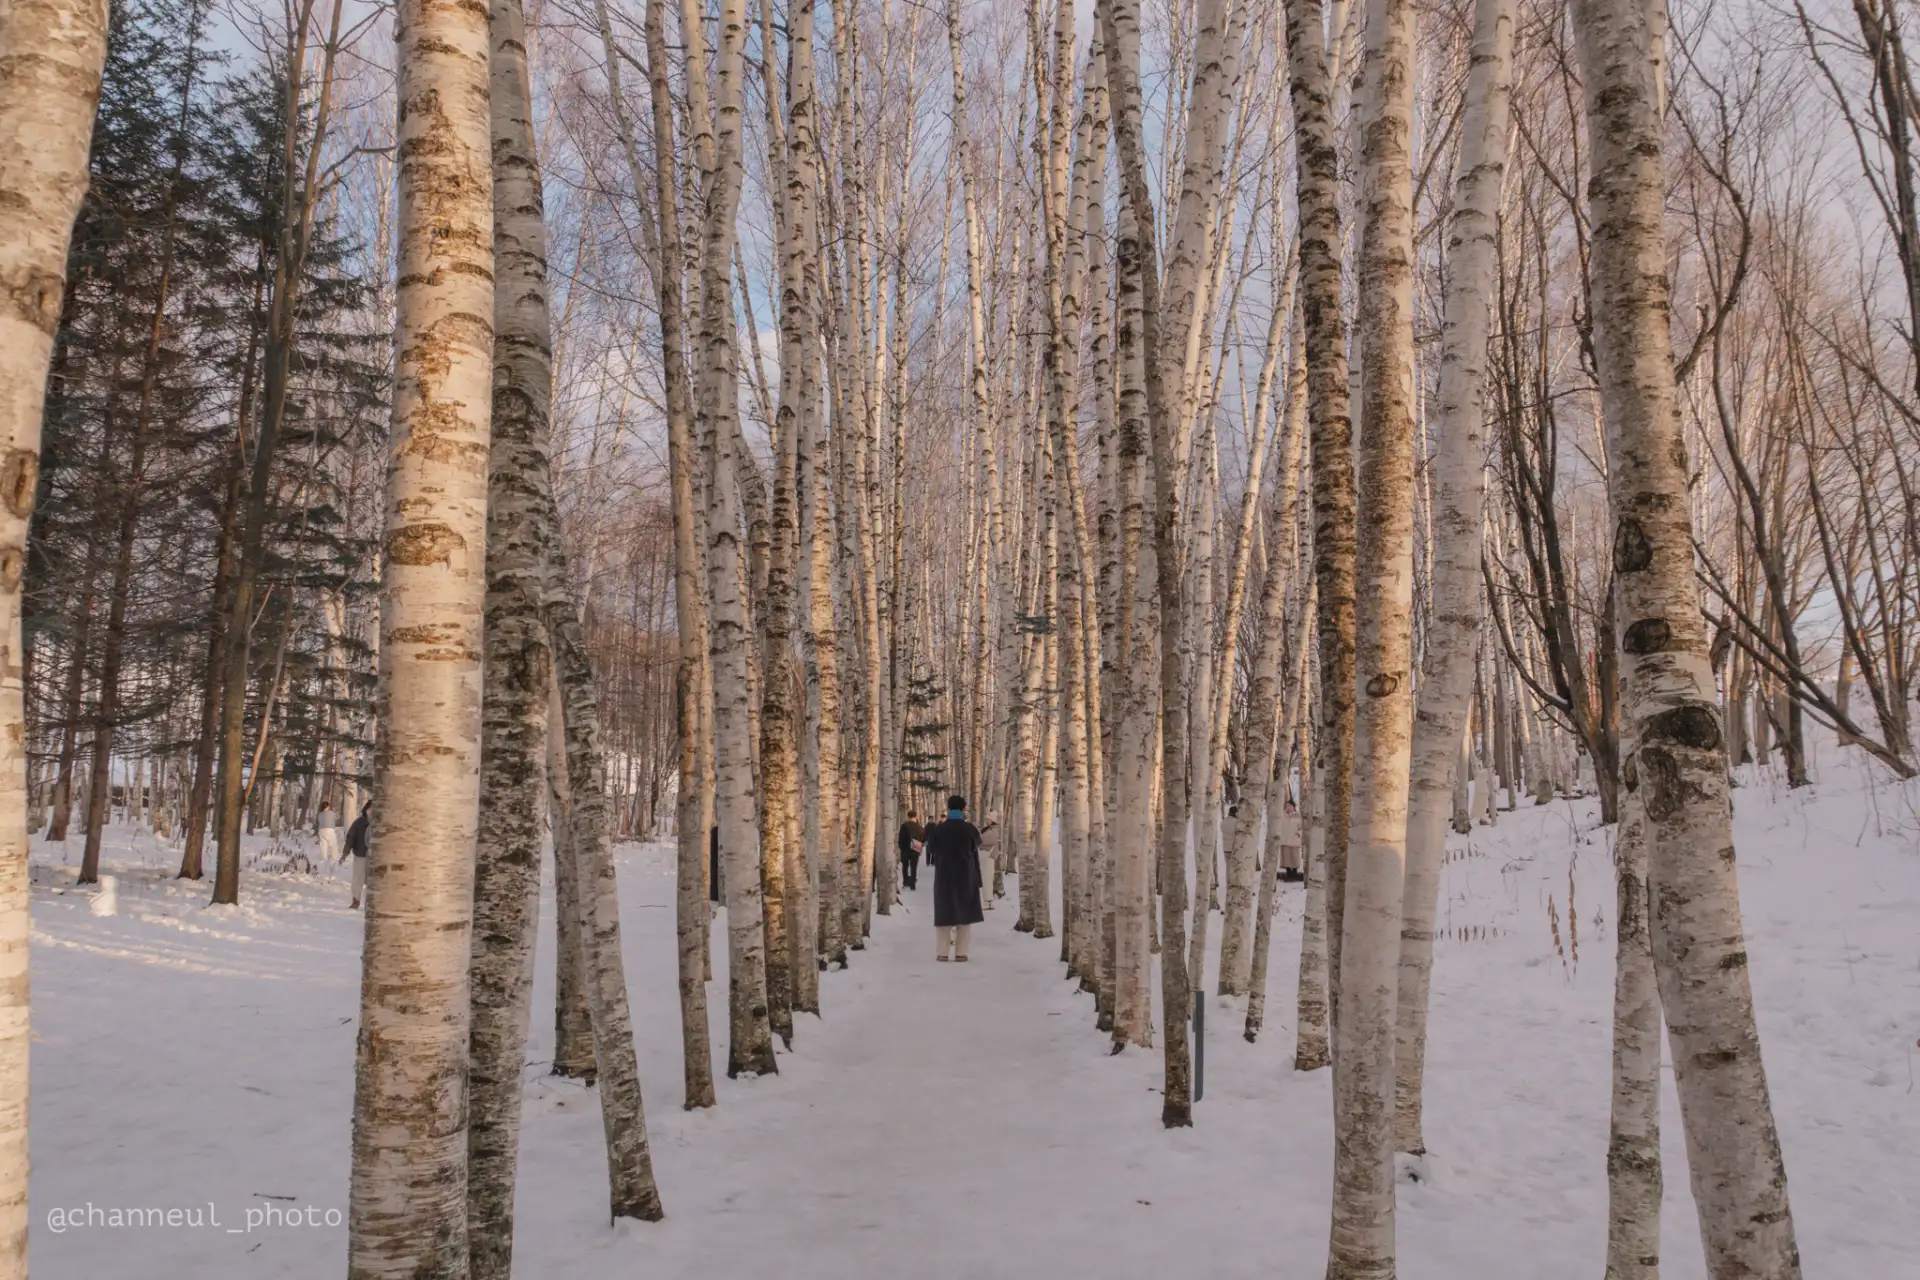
(1677, 767)
(407, 1203)
(519, 663)
(1458, 467)
(51, 52)
(751, 1049)
(694, 816)
(1317, 176)
(1366, 971)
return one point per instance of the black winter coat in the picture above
(357, 837)
(953, 849)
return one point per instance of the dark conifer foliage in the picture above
(159, 388)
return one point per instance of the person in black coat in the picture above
(953, 849)
(358, 841)
(912, 834)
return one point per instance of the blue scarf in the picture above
(956, 815)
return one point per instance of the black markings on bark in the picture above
(1649, 635)
(1631, 550)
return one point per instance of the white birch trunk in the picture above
(1263, 712)
(693, 815)
(1667, 698)
(1310, 1048)
(519, 664)
(407, 1201)
(1362, 1239)
(750, 1049)
(1459, 472)
(1317, 164)
(1634, 1178)
(51, 51)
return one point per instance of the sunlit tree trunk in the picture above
(1677, 769)
(51, 52)
(407, 1203)
(1459, 476)
(798, 423)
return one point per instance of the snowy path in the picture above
(965, 1122)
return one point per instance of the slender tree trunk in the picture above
(1263, 722)
(1276, 837)
(407, 1205)
(1459, 473)
(693, 816)
(1168, 475)
(572, 1020)
(200, 793)
(1311, 1050)
(1317, 164)
(1677, 767)
(53, 52)
(519, 664)
(751, 1050)
(1634, 1177)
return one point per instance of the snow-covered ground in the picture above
(966, 1121)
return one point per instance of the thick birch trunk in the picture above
(1362, 1241)
(1678, 763)
(51, 53)
(519, 664)
(1459, 473)
(407, 1203)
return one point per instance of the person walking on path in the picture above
(357, 842)
(1290, 870)
(912, 838)
(328, 827)
(953, 847)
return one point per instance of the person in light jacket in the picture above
(953, 848)
(328, 827)
(1290, 844)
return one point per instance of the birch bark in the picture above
(1677, 768)
(1634, 1178)
(519, 664)
(1362, 1238)
(730, 632)
(407, 1200)
(51, 53)
(1459, 473)
(693, 813)
(1264, 698)
(1317, 165)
